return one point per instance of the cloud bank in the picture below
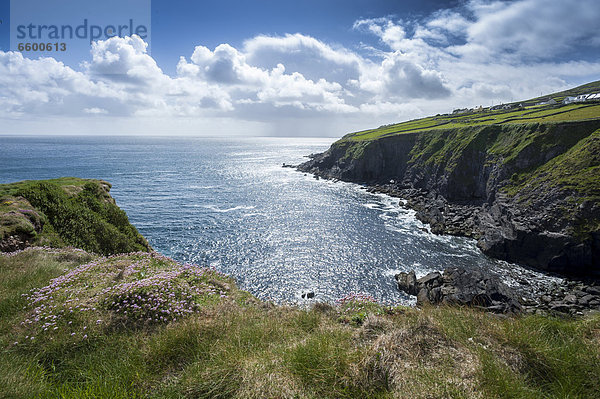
(479, 53)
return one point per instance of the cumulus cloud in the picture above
(531, 29)
(480, 52)
(401, 78)
(124, 60)
(95, 111)
(41, 86)
(256, 85)
(304, 54)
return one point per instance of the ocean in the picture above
(228, 203)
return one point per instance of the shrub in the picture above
(85, 220)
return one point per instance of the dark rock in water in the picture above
(562, 307)
(483, 289)
(423, 296)
(461, 287)
(432, 280)
(308, 295)
(287, 166)
(407, 282)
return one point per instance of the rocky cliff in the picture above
(530, 192)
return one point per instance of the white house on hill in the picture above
(582, 98)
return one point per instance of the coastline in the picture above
(573, 295)
(527, 192)
(141, 324)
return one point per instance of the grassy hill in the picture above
(75, 325)
(65, 212)
(529, 113)
(592, 87)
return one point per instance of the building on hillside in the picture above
(593, 97)
(569, 100)
(548, 102)
(582, 98)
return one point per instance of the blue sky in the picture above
(319, 68)
(180, 25)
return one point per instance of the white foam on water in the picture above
(235, 208)
(201, 187)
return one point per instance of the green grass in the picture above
(529, 113)
(592, 87)
(535, 114)
(577, 170)
(235, 346)
(74, 183)
(67, 212)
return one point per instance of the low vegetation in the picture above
(525, 112)
(65, 212)
(77, 325)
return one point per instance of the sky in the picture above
(292, 68)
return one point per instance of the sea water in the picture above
(228, 203)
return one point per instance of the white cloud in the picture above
(124, 60)
(401, 78)
(480, 52)
(95, 111)
(530, 29)
(304, 54)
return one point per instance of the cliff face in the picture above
(530, 193)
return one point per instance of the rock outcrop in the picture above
(458, 286)
(478, 288)
(20, 223)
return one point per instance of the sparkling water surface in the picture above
(228, 203)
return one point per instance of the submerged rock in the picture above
(308, 295)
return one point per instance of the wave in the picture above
(235, 208)
(201, 187)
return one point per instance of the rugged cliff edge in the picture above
(528, 192)
(65, 212)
